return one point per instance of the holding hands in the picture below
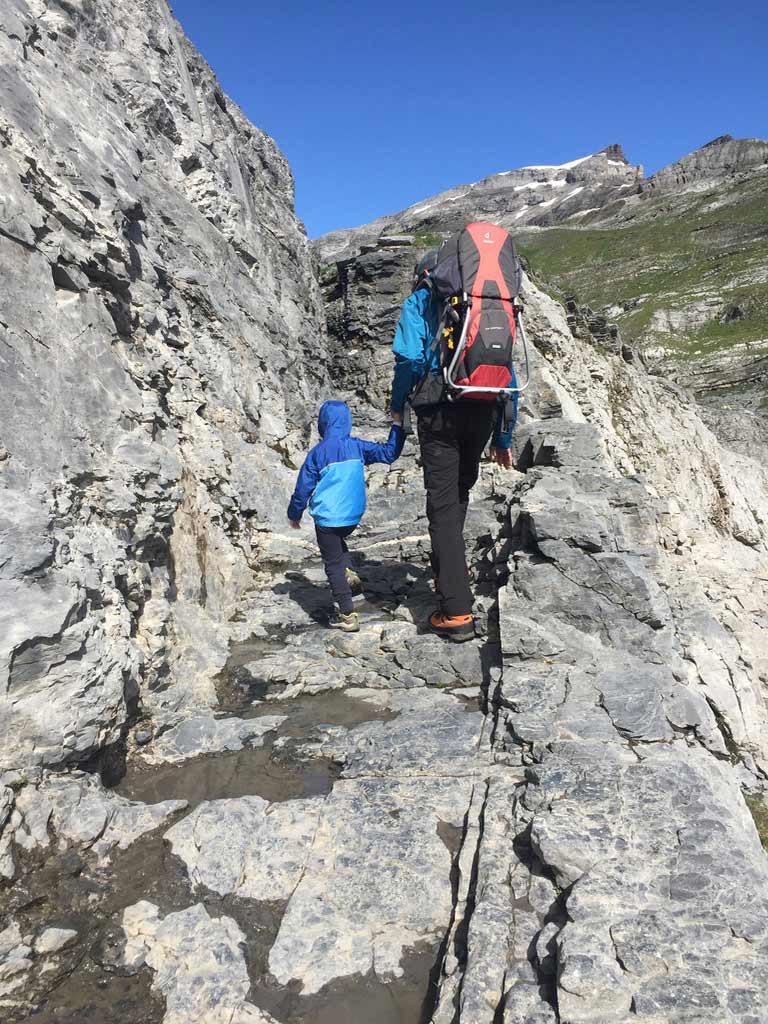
(501, 456)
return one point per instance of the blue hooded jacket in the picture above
(332, 480)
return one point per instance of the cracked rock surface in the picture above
(213, 808)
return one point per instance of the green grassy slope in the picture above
(701, 257)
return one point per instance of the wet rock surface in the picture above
(215, 808)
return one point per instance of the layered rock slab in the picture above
(622, 878)
(366, 870)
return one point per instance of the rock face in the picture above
(157, 300)
(544, 825)
(212, 983)
(721, 157)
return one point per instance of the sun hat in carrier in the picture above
(478, 277)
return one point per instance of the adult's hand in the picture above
(397, 417)
(501, 456)
(294, 524)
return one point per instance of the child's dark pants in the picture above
(333, 547)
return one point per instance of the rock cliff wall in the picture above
(157, 304)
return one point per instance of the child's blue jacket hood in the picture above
(332, 480)
(334, 420)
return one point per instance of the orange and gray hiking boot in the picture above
(452, 627)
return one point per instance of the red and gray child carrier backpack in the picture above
(478, 277)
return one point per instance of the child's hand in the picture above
(294, 524)
(501, 456)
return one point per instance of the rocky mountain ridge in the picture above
(213, 809)
(512, 199)
(533, 195)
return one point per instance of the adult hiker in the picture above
(453, 368)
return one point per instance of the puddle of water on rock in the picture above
(269, 772)
(335, 708)
(236, 686)
(91, 996)
(70, 890)
(452, 837)
(351, 1000)
(249, 772)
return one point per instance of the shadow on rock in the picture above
(386, 585)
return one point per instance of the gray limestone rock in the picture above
(247, 847)
(79, 812)
(365, 871)
(204, 734)
(156, 286)
(376, 882)
(53, 939)
(15, 961)
(197, 962)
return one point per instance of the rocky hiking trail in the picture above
(545, 824)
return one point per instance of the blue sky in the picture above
(379, 105)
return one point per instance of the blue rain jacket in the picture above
(415, 331)
(332, 480)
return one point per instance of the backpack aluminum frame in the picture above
(450, 370)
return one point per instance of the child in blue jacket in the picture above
(332, 482)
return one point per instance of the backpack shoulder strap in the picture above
(440, 326)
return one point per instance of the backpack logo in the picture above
(487, 238)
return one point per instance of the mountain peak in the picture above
(614, 152)
(719, 141)
(722, 157)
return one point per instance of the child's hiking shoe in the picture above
(354, 581)
(458, 628)
(348, 623)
